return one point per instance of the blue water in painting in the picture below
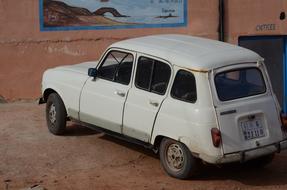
(147, 19)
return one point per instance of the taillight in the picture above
(216, 137)
(284, 120)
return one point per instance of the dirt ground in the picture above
(85, 159)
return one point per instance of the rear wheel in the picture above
(56, 114)
(177, 160)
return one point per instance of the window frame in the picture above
(181, 99)
(105, 56)
(139, 55)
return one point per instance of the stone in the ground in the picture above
(2, 100)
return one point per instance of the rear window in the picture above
(239, 83)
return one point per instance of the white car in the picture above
(190, 98)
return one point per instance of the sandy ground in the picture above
(85, 159)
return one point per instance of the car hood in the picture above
(79, 68)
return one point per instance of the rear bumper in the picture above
(244, 156)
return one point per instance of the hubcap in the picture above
(52, 114)
(175, 157)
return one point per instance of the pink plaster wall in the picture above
(26, 52)
(245, 17)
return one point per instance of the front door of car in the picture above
(145, 97)
(103, 98)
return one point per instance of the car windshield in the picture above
(239, 83)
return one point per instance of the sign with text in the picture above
(111, 14)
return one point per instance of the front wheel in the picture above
(56, 114)
(177, 159)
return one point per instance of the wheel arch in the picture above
(47, 92)
(183, 139)
(51, 90)
(157, 140)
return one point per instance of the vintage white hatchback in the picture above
(192, 99)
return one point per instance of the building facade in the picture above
(40, 34)
(26, 50)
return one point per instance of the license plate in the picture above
(252, 129)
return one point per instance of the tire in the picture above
(56, 114)
(184, 164)
(261, 162)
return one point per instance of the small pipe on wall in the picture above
(221, 21)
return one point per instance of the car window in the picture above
(117, 67)
(248, 82)
(184, 87)
(152, 75)
(124, 70)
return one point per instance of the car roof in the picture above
(190, 52)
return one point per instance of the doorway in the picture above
(273, 49)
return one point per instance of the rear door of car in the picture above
(247, 114)
(145, 98)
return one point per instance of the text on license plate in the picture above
(252, 129)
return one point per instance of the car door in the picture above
(145, 97)
(245, 108)
(103, 98)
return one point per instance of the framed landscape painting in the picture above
(111, 14)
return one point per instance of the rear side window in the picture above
(239, 83)
(184, 87)
(152, 75)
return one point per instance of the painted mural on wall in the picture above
(111, 14)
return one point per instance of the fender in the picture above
(57, 90)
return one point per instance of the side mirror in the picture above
(92, 72)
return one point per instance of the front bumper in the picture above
(244, 156)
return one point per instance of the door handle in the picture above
(122, 94)
(154, 103)
(228, 112)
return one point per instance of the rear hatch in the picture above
(246, 111)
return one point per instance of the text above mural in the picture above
(111, 14)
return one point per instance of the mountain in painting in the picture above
(57, 13)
